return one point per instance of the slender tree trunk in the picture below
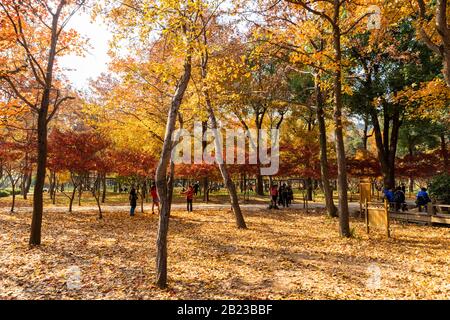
(365, 136)
(328, 191)
(344, 224)
(80, 193)
(161, 176)
(240, 222)
(309, 189)
(96, 194)
(72, 198)
(13, 186)
(104, 188)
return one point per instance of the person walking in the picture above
(155, 198)
(133, 201)
(189, 193)
(274, 196)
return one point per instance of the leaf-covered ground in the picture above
(283, 255)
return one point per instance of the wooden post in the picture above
(366, 208)
(386, 209)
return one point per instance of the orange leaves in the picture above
(287, 255)
(430, 100)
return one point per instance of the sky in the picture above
(80, 70)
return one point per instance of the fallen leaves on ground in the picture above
(283, 255)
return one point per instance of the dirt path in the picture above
(202, 206)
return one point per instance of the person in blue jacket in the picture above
(389, 195)
(422, 199)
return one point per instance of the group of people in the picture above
(281, 196)
(189, 194)
(397, 198)
(134, 198)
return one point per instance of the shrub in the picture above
(4, 194)
(440, 188)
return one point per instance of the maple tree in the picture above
(36, 26)
(81, 154)
(317, 71)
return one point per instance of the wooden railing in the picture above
(435, 213)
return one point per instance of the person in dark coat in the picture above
(196, 188)
(399, 199)
(290, 195)
(133, 201)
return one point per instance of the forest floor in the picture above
(283, 255)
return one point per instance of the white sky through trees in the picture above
(79, 70)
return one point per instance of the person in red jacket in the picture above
(274, 196)
(155, 198)
(189, 193)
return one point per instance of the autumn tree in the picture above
(434, 30)
(207, 19)
(388, 63)
(83, 155)
(38, 25)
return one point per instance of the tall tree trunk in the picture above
(365, 137)
(13, 186)
(38, 201)
(240, 222)
(328, 191)
(42, 128)
(396, 124)
(344, 224)
(259, 183)
(161, 175)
